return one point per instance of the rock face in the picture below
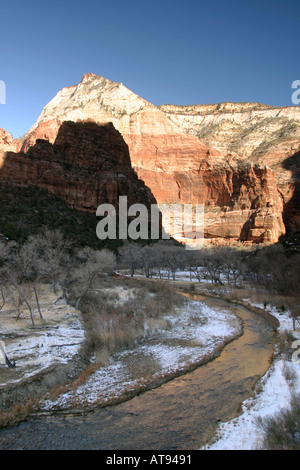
(242, 201)
(87, 165)
(245, 129)
(7, 143)
(242, 198)
(161, 152)
(254, 132)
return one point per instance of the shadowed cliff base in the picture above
(179, 168)
(27, 210)
(62, 184)
(89, 164)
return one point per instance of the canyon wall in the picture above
(222, 156)
(87, 165)
(253, 132)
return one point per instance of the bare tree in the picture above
(174, 258)
(4, 256)
(52, 252)
(2, 297)
(195, 263)
(231, 263)
(90, 263)
(14, 267)
(212, 262)
(24, 295)
(130, 255)
(147, 260)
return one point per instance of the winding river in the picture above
(180, 414)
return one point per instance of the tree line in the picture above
(48, 258)
(270, 267)
(51, 258)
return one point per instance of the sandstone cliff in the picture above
(243, 200)
(7, 144)
(87, 165)
(255, 132)
(161, 152)
(246, 129)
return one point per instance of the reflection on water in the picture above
(182, 413)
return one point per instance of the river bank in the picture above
(274, 394)
(47, 354)
(179, 414)
(206, 326)
(195, 335)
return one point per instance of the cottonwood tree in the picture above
(159, 254)
(4, 254)
(12, 276)
(6, 249)
(17, 271)
(53, 252)
(148, 260)
(31, 269)
(90, 263)
(131, 256)
(211, 260)
(195, 263)
(173, 258)
(41, 258)
(231, 263)
(2, 298)
(54, 260)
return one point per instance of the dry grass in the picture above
(289, 374)
(263, 297)
(113, 326)
(19, 412)
(282, 432)
(57, 390)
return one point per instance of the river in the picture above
(181, 414)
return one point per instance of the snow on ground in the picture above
(54, 340)
(243, 432)
(194, 332)
(192, 335)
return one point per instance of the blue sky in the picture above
(167, 51)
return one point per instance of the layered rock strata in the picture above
(87, 165)
(253, 132)
(242, 198)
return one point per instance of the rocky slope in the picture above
(243, 200)
(247, 129)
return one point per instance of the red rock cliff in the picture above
(240, 203)
(87, 165)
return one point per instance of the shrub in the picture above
(282, 432)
